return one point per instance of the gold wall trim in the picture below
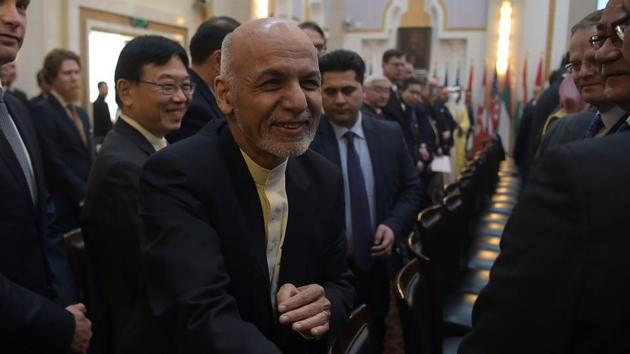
(550, 29)
(416, 16)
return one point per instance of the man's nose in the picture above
(607, 53)
(294, 98)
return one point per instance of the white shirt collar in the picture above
(155, 141)
(357, 128)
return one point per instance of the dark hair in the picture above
(590, 20)
(410, 81)
(209, 37)
(312, 26)
(343, 60)
(40, 76)
(53, 62)
(100, 84)
(391, 53)
(143, 50)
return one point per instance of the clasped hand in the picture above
(306, 309)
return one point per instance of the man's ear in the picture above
(224, 95)
(215, 60)
(124, 89)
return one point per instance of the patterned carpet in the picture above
(393, 335)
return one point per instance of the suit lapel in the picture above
(67, 125)
(245, 188)
(132, 134)
(27, 136)
(204, 90)
(328, 142)
(378, 158)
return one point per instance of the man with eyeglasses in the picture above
(587, 76)
(153, 91)
(560, 284)
(613, 53)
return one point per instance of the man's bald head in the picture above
(269, 89)
(256, 34)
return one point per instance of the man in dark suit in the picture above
(31, 322)
(393, 68)
(110, 220)
(64, 134)
(100, 111)
(44, 88)
(382, 189)
(8, 75)
(205, 52)
(376, 95)
(608, 117)
(559, 284)
(242, 248)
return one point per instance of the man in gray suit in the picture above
(588, 79)
(153, 90)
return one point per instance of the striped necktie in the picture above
(594, 127)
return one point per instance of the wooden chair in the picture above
(420, 315)
(354, 338)
(75, 248)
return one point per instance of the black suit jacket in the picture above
(29, 322)
(548, 101)
(204, 250)
(202, 110)
(560, 283)
(569, 128)
(66, 159)
(111, 224)
(102, 119)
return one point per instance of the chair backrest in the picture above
(354, 338)
(420, 316)
(75, 247)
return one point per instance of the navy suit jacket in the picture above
(565, 130)
(67, 160)
(111, 225)
(202, 110)
(204, 250)
(560, 284)
(30, 322)
(397, 191)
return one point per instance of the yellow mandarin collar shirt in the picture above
(155, 141)
(271, 188)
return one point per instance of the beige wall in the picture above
(55, 23)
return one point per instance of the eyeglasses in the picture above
(170, 89)
(597, 41)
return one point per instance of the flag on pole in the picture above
(505, 112)
(480, 127)
(525, 100)
(457, 80)
(494, 108)
(471, 74)
(539, 75)
(446, 75)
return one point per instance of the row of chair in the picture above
(451, 253)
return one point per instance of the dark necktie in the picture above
(17, 145)
(77, 123)
(594, 126)
(362, 233)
